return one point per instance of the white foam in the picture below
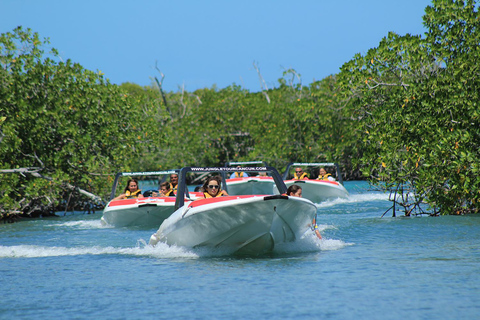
(355, 198)
(32, 251)
(333, 244)
(82, 224)
(308, 243)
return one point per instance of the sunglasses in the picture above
(298, 171)
(211, 186)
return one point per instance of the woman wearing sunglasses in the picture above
(212, 188)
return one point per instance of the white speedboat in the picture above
(147, 212)
(318, 190)
(144, 212)
(251, 184)
(244, 224)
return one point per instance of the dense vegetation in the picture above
(418, 101)
(406, 114)
(62, 127)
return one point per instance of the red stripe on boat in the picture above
(124, 202)
(249, 178)
(202, 202)
(314, 181)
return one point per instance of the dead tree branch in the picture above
(263, 84)
(160, 87)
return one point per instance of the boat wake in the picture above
(82, 224)
(310, 243)
(355, 198)
(141, 250)
(307, 244)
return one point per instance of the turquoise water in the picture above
(367, 267)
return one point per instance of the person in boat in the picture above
(174, 182)
(239, 174)
(299, 174)
(131, 191)
(323, 175)
(296, 191)
(165, 190)
(212, 188)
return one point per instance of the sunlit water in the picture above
(367, 267)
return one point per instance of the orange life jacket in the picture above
(208, 195)
(303, 176)
(324, 177)
(131, 195)
(239, 174)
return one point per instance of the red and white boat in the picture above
(318, 190)
(144, 212)
(243, 224)
(147, 212)
(248, 185)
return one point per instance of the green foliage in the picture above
(406, 114)
(68, 122)
(417, 99)
(232, 124)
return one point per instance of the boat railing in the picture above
(315, 164)
(237, 163)
(182, 179)
(137, 173)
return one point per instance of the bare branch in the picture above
(34, 171)
(263, 85)
(377, 84)
(160, 88)
(181, 101)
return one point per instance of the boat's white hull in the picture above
(243, 224)
(319, 190)
(250, 185)
(143, 212)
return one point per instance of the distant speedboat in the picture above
(318, 190)
(251, 184)
(244, 224)
(248, 185)
(144, 212)
(147, 212)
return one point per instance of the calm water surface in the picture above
(367, 267)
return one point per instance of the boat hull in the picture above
(249, 225)
(143, 213)
(319, 190)
(250, 185)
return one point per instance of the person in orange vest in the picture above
(174, 183)
(238, 174)
(131, 191)
(212, 188)
(323, 175)
(165, 190)
(299, 174)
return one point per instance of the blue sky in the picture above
(198, 44)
